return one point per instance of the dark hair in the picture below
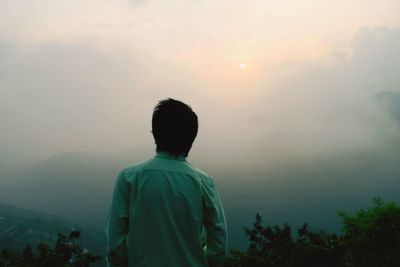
(174, 126)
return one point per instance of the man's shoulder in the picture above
(205, 177)
(136, 167)
(198, 171)
(154, 164)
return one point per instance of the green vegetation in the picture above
(66, 253)
(370, 238)
(21, 227)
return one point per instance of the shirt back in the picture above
(158, 215)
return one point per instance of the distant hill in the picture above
(76, 185)
(390, 101)
(21, 227)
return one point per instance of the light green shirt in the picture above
(165, 213)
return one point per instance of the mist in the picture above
(306, 130)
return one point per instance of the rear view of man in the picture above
(164, 211)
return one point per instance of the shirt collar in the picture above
(166, 155)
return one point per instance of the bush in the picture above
(371, 237)
(66, 253)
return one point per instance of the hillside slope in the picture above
(21, 227)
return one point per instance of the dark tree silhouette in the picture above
(371, 237)
(66, 253)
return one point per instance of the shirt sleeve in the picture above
(215, 226)
(117, 226)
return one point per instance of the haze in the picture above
(298, 101)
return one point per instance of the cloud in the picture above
(390, 101)
(60, 94)
(64, 97)
(59, 97)
(317, 139)
(330, 138)
(317, 109)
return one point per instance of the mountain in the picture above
(390, 101)
(76, 185)
(21, 227)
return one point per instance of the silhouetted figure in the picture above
(164, 211)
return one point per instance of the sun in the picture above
(242, 66)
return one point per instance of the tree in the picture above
(66, 253)
(275, 246)
(370, 237)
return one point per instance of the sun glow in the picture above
(242, 66)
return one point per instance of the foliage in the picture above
(66, 253)
(371, 237)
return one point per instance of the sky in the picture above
(286, 92)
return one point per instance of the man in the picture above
(164, 211)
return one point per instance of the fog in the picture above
(310, 126)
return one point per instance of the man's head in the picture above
(174, 127)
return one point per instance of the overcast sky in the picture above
(298, 101)
(270, 80)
